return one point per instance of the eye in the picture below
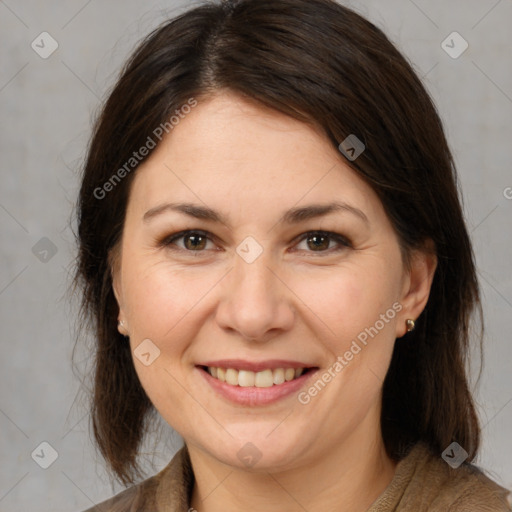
(196, 241)
(320, 241)
(191, 241)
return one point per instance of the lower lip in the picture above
(253, 395)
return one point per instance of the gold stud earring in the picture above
(410, 325)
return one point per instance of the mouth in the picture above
(262, 379)
(252, 384)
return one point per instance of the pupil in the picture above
(194, 242)
(317, 244)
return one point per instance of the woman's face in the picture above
(271, 279)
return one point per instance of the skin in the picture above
(293, 302)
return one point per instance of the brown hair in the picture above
(323, 64)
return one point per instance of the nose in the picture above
(256, 303)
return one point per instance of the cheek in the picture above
(161, 297)
(161, 302)
(347, 301)
(354, 317)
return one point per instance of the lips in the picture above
(255, 383)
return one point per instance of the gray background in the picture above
(46, 109)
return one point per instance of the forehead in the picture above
(228, 152)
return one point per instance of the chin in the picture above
(254, 449)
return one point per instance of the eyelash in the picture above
(169, 241)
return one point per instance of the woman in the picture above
(273, 253)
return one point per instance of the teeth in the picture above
(278, 376)
(289, 374)
(263, 379)
(245, 378)
(232, 376)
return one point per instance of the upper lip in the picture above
(255, 366)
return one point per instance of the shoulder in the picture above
(127, 500)
(465, 488)
(136, 498)
(167, 490)
(424, 481)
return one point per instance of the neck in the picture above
(352, 476)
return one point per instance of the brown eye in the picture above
(318, 242)
(194, 242)
(323, 241)
(190, 241)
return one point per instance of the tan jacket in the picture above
(422, 483)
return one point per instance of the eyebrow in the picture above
(292, 216)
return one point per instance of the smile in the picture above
(255, 384)
(262, 379)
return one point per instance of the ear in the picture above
(417, 283)
(115, 272)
